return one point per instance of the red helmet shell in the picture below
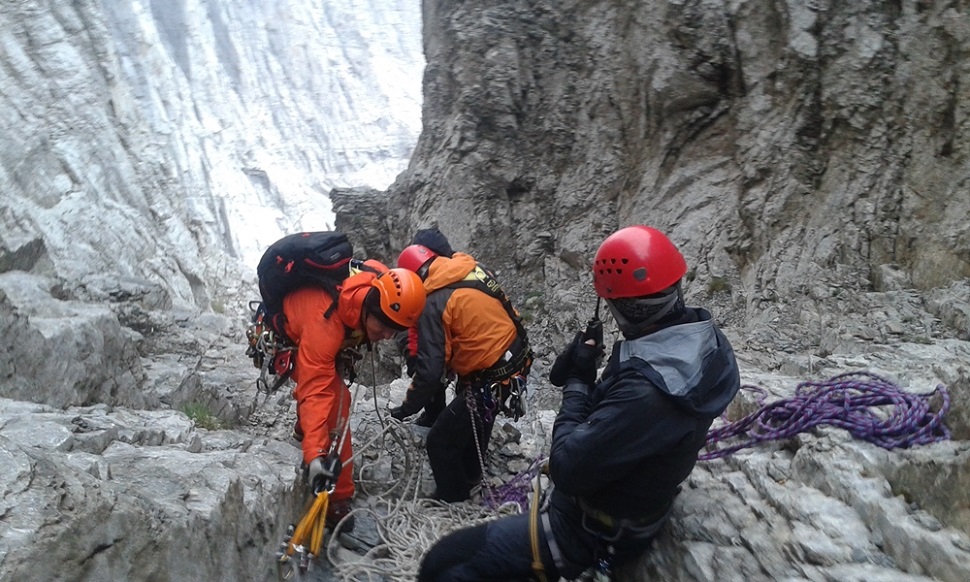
(414, 256)
(636, 261)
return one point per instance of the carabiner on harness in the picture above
(518, 404)
(489, 403)
(603, 571)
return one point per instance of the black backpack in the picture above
(305, 259)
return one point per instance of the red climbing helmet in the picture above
(414, 257)
(636, 261)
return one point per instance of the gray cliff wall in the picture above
(789, 148)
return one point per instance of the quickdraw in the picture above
(518, 404)
(510, 397)
(303, 542)
(306, 538)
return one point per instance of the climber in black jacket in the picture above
(622, 446)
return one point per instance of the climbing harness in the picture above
(846, 401)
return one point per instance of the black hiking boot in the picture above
(336, 511)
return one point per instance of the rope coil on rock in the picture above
(849, 401)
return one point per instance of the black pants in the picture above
(498, 550)
(452, 453)
(501, 549)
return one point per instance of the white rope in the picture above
(407, 524)
(390, 465)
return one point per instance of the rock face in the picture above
(139, 137)
(784, 147)
(120, 495)
(809, 160)
(149, 151)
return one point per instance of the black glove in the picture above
(323, 472)
(559, 372)
(566, 362)
(586, 359)
(398, 413)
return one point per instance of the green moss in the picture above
(718, 285)
(201, 416)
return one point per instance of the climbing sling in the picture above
(537, 566)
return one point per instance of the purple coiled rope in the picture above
(516, 490)
(844, 401)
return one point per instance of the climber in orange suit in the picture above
(371, 307)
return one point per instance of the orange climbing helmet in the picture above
(636, 261)
(401, 297)
(414, 257)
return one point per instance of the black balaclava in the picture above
(638, 316)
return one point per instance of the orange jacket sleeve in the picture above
(318, 387)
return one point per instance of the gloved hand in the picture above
(594, 331)
(559, 372)
(398, 413)
(578, 360)
(586, 359)
(323, 472)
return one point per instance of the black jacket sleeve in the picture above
(430, 364)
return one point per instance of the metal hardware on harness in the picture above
(518, 405)
(271, 355)
(490, 401)
(603, 571)
(346, 364)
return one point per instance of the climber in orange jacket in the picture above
(469, 328)
(371, 307)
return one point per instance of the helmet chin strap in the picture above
(635, 329)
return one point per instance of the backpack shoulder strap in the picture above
(481, 278)
(354, 266)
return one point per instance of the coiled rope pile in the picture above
(853, 401)
(407, 523)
